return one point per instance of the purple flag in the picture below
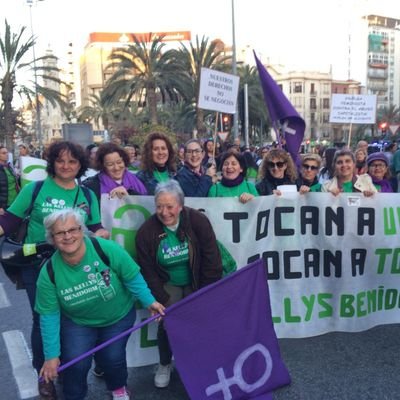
(283, 115)
(223, 339)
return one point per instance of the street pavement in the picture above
(334, 366)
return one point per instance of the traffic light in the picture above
(383, 126)
(226, 123)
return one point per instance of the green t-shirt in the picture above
(80, 292)
(219, 190)
(161, 176)
(173, 255)
(52, 197)
(348, 187)
(316, 188)
(11, 186)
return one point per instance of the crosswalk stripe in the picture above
(4, 302)
(21, 364)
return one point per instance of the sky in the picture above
(307, 35)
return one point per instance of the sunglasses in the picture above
(279, 164)
(310, 167)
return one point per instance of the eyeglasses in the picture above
(279, 164)
(72, 231)
(194, 151)
(378, 165)
(310, 167)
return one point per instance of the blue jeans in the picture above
(78, 339)
(29, 275)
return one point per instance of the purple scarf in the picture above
(129, 181)
(232, 182)
(385, 185)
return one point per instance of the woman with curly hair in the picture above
(158, 161)
(276, 169)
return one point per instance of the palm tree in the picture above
(197, 55)
(14, 51)
(98, 111)
(146, 74)
(258, 116)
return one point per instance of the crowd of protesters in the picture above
(78, 177)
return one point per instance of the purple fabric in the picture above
(385, 185)
(9, 222)
(281, 112)
(129, 181)
(224, 332)
(232, 182)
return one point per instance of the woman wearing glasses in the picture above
(233, 182)
(194, 179)
(276, 169)
(84, 297)
(66, 162)
(114, 177)
(308, 181)
(378, 170)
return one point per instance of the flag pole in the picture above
(215, 133)
(349, 138)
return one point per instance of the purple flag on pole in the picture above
(283, 115)
(223, 339)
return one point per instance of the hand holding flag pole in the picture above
(105, 344)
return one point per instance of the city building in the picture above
(383, 59)
(95, 57)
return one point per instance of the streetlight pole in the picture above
(38, 118)
(234, 71)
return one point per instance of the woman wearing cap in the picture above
(86, 296)
(345, 179)
(378, 170)
(308, 181)
(276, 169)
(233, 182)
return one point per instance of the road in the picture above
(335, 366)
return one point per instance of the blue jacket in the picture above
(193, 185)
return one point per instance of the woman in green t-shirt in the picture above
(66, 162)
(84, 297)
(233, 182)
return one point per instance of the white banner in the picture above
(353, 109)
(218, 91)
(332, 261)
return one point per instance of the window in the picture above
(313, 104)
(298, 87)
(325, 103)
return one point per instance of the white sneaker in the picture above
(163, 376)
(121, 395)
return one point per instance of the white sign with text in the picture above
(218, 91)
(353, 109)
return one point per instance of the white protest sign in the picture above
(353, 109)
(218, 91)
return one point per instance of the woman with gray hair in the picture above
(85, 297)
(177, 252)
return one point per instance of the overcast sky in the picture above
(302, 34)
